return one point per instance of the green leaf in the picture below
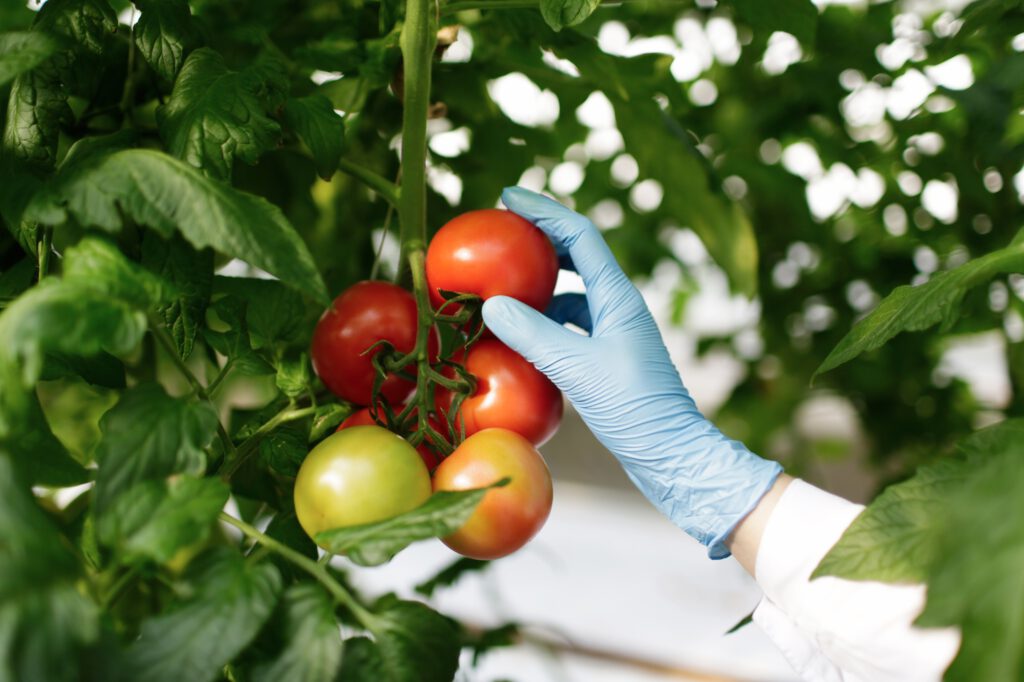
(483, 642)
(214, 115)
(36, 110)
(22, 51)
(58, 316)
(38, 104)
(373, 544)
(40, 458)
(273, 313)
(741, 623)
(913, 308)
(88, 28)
(894, 540)
(232, 600)
(285, 528)
(154, 519)
(156, 190)
(165, 35)
(450, 574)
(313, 649)
(16, 279)
(994, 440)
(413, 643)
(102, 369)
(976, 580)
(320, 128)
(284, 450)
(797, 17)
(191, 272)
(293, 376)
(326, 419)
(234, 343)
(561, 14)
(45, 620)
(98, 264)
(663, 153)
(147, 436)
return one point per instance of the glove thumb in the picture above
(525, 330)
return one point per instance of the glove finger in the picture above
(537, 338)
(612, 297)
(571, 308)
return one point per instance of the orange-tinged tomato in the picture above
(508, 517)
(360, 475)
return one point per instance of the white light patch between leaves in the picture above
(521, 100)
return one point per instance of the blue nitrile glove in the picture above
(621, 381)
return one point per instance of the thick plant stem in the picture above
(419, 37)
(318, 571)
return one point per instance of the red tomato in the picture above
(489, 253)
(363, 314)
(364, 418)
(507, 517)
(510, 394)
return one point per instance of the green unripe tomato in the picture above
(359, 475)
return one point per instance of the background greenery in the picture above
(137, 161)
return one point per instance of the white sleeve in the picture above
(834, 630)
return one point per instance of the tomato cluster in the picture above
(363, 472)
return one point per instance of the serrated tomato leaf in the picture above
(320, 128)
(913, 308)
(148, 435)
(561, 14)
(155, 518)
(231, 601)
(22, 51)
(169, 196)
(46, 621)
(895, 539)
(976, 581)
(312, 651)
(373, 544)
(164, 35)
(215, 115)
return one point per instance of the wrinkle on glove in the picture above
(623, 384)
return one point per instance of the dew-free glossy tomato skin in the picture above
(360, 316)
(492, 252)
(360, 475)
(364, 418)
(508, 517)
(510, 394)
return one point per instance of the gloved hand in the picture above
(623, 384)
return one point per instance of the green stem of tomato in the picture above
(311, 567)
(249, 446)
(162, 337)
(419, 37)
(377, 183)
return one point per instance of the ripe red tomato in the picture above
(507, 517)
(361, 475)
(428, 454)
(510, 394)
(363, 314)
(489, 253)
